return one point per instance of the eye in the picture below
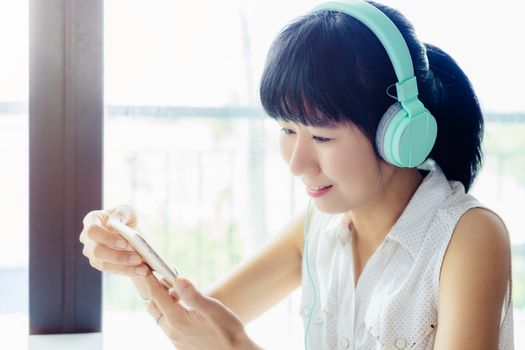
(320, 139)
(286, 131)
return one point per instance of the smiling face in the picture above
(341, 156)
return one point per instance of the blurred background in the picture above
(187, 144)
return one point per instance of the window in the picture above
(186, 145)
(14, 175)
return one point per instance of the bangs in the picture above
(311, 74)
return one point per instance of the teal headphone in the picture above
(407, 131)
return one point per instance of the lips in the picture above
(318, 192)
(314, 188)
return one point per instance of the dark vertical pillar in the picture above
(65, 162)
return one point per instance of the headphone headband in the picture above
(407, 131)
(389, 36)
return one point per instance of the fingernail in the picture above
(141, 271)
(121, 244)
(134, 259)
(117, 218)
(180, 286)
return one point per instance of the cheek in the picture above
(355, 167)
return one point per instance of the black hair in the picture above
(327, 68)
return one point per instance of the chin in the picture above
(330, 207)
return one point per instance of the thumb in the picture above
(125, 213)
(187, 292)
(207, 306)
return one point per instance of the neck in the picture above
(372, 222)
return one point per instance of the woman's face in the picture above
(342, 157)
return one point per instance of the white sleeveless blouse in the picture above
(395, 303)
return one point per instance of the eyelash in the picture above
(317, 139)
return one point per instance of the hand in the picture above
(192, 320)
(105, 248)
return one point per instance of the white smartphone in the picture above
(144, 248)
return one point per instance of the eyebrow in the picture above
(326, 127)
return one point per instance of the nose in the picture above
(302, 160)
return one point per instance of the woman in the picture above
(397, 254)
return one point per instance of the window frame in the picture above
(65, 162)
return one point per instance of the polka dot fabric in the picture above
(395, 302)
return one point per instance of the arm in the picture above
(264, 279)
(473, 282)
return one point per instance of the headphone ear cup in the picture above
(412, 139)
(382, 128)
(405, 142)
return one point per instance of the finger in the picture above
(125, 213)
(101, 235)
(164, 301)
(187, 292)
(206, 306)
(104, 253)
(165, 283)
(162, 322)
(152, 309)
(94, 217)
(141, 270)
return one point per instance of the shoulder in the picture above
(474, 276)
(481, 235)
(480, 239)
